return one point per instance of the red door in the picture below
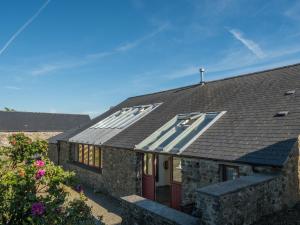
(176, 178)
(148, 180)
(176, 195)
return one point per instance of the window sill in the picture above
(90, 168)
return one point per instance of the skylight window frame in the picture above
(170, 146)
(202, 131)
(115, 121)
(156, 133)
(186, 132)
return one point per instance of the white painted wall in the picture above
(163, 174)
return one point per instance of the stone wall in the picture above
(120, 172)
(32, 135)
(120, 175)
(240, 202)
(198, 173)
(290, 178)
(247, 199)
(53, 152)
(137, 210)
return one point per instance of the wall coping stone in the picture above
(161, 210)
(231, 186)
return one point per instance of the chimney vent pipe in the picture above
(202, 70)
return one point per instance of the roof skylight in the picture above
(125, 117)
(179, 132)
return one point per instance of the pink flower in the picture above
(37, 209)
(40, 174)
(39, 163)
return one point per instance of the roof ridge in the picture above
(222, 79)
(73, 114)
(256, 72)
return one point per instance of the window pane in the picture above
(86, 154)
(97, 157)
(148, 164)
(145, 163)
(101, 158)
(231, 173)
(177, 176)
(91, 155)
(80, 154)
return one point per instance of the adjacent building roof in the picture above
(251, 131)
(40, 122)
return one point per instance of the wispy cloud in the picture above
(137, 42)
(12, 88)
(251, 45)
(22, 28)
(90, 58)
(51, 67)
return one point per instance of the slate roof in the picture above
(40, 122)
(247, 133)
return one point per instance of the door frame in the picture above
(174, 184)
(149, 177)
(155, 171)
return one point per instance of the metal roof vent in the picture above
(202, 70)
(281, 113)
(290, 92)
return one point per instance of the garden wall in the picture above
(139, 211)
(198, 173)
(33, 135)
(248, 198)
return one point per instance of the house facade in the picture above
(37, 125)
(225, 151)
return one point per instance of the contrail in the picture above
(22, 28)
(251, 45)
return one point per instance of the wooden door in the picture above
(148, 180)
(176, 179)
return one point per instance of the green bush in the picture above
(31, 187)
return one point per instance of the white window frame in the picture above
(155, 145)
(126, 119)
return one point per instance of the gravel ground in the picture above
(102, 205)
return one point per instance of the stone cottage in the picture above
(38, 125)
(224, 151)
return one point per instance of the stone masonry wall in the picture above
(226, 204)
(137, 210)
(32, 135)
(245, 200)
(53, 152)
(121, 172)
(291, 178)
(197, 173)
(119, 176)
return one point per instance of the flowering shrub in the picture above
(31, 187)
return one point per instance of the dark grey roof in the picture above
(247, 133)
(34, 122)
(64, 136)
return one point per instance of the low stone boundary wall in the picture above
(139, 211)
(241, 202)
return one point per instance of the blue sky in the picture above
(85, 56)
